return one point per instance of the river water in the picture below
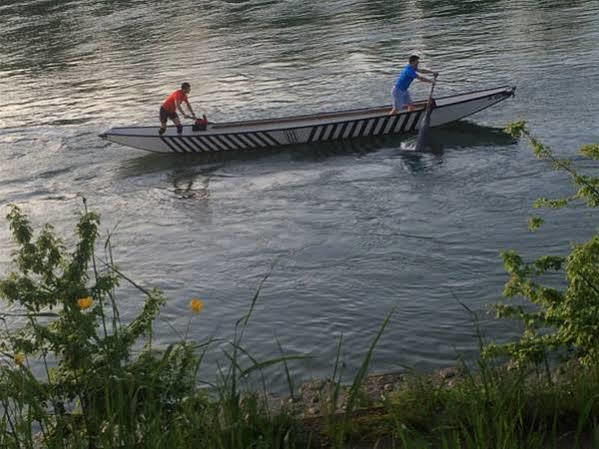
(347, 231)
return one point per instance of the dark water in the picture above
(346, 231)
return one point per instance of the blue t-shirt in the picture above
(406, 76)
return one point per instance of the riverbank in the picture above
(456, 407)
(491, 407)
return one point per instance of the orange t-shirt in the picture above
(177, 97)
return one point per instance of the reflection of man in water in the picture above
(172, 104)
(185, 183)
(400, 94)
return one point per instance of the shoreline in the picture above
(369, 421)
(312, 397)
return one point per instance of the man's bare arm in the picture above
(422, 78)
(183, 113)
(190, 110)
(180, 109)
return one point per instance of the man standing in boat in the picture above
(171, 105)
(401, 96)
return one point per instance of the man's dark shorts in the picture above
(164, 115)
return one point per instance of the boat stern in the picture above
(143, 138)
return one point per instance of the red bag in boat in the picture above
(200, 124)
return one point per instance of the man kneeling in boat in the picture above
(400, 94)
(171, 105)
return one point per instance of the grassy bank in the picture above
(156, 406)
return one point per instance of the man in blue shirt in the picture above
(400, 94)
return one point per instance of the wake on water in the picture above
(407, 146)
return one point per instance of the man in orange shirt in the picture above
(171, 105)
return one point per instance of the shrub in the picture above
(563, 318)
(91, 378)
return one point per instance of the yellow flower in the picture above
(85, 303)
(196, 305)
(19, 358)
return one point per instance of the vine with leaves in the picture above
(566, 318)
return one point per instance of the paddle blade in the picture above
(423, 131)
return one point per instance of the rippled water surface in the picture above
(347, 231)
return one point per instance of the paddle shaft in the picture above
(430, 97)
(426, 120)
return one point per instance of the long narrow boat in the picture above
(261, 134)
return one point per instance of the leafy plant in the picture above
(563, 318)
(73, 375)
(72, 326)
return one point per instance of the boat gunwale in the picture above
(353, 111)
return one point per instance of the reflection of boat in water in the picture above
(462, 134)
(322, 127)
(468, 134)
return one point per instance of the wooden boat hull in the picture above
(262, 134)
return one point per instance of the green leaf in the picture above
(534, 223)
